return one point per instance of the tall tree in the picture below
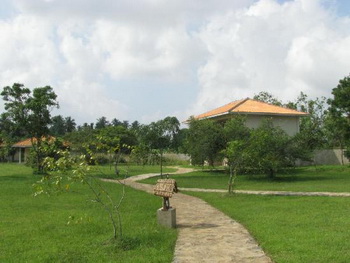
(205, 141)
(268, 149)
(267, 97)
(70, 124)
(31, 110)
(237, 136)
(339, 114)
(57, 127)
(312, 127)
(116, 122)
(101, 123)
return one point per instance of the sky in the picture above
(147, 59)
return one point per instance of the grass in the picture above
(308, 179)
(70, 228)
(107, 171)
(292, 229)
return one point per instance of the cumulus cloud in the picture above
(104, 58)
(280, 48)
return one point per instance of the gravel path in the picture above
(205, 233)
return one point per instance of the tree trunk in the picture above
(233, 175)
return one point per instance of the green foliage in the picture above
(270, 149)
(237, 134)
(60, 126)
(140, 154)
(101, 123)
(30, 111)
(49, 147)
(267, 97)
(69, 169)
(341, 97)
(339, 118)
(312, 127)
(205, 141)
(266, 149)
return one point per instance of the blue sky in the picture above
(148, 59)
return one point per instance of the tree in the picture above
(205, 141)
(70, 124)
(234, 153)
(101, 123)
(116, 140)
(267, 97)
(237, 137)
(64, 171)
(312, 127)
(270, 149)
(339, 114)
(58, 127)
(9, 134)
(31, 110)
(135, 125)
(116, 122)
(236, 129)
(159, 136)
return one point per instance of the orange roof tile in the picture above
(28, 143)
(249, 106)
(23, 144)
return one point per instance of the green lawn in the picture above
(70, 228)
(292, 229)
(309, 179)
(107, 171)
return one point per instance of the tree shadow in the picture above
(286, 178)
(13, 178)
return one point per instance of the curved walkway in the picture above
(205, 233)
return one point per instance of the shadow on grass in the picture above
(283, 178)
(14, 178)
(126, 243)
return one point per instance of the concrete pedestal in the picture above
(167, 218)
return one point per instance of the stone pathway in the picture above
(205, 233)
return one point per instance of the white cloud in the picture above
(92, 51)
(88, 100)
(279, 48)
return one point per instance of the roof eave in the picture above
(254, 113)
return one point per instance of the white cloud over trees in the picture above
(96, 54)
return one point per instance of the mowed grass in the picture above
(71, 228)
(292, 229)
(125, 170)
(303, 179)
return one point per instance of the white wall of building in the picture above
(290, 124)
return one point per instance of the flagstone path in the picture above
(205, 233)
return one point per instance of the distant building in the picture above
(255, 111)
(22, 149)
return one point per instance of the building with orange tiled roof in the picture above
(255, 111)
(22, 148)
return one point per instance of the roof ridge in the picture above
(238, 104)
(280, 106)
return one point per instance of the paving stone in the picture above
(205, 233)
